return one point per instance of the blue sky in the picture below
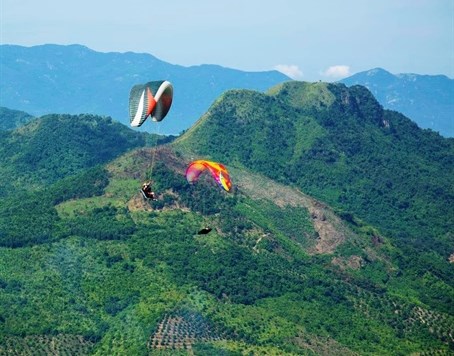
(308, 40)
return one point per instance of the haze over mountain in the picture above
(76, 80)
(11, 119)
(426, 99)
(336, 239)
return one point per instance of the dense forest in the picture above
(328, 244)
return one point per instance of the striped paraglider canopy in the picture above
(152, 99)
(217, 171)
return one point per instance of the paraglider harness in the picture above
(147, 192)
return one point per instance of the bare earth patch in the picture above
(331, 231)
(138, 203)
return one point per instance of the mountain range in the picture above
(336, 238)
(74, 79)
(56, 79)
(426, 99)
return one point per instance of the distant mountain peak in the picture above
(86, 81)
(322, 96)
(426, 99)
(378, 71)
(299, 94)
(369, 77)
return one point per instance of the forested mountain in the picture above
(11, 119)
(426, 99)
(338, 144)
(330, 243)
(74, 79)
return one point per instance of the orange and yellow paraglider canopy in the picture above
(217, 170)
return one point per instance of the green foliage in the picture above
(101, 223)
(57, 146)
(30, 217)
(26, 218)
(88, 183)
(204, 349)
(11, 119)
(44, 345)
(292, 222)
(364, 159)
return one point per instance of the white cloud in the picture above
(337, 72)
(290, 70)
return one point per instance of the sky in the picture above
(308, 40)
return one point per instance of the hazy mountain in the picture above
(75, 80)
(11, 119)
(331, 242)
(426, 99)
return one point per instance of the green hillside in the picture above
(53, 147)
(338, 145)
(88, 267)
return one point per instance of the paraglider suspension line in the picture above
(154, 148)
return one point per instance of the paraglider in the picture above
(217, 171)
(153, 100)
(147, 191)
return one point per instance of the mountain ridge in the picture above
(426, 99)
(74, 79)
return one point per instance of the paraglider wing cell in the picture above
(194, 170)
